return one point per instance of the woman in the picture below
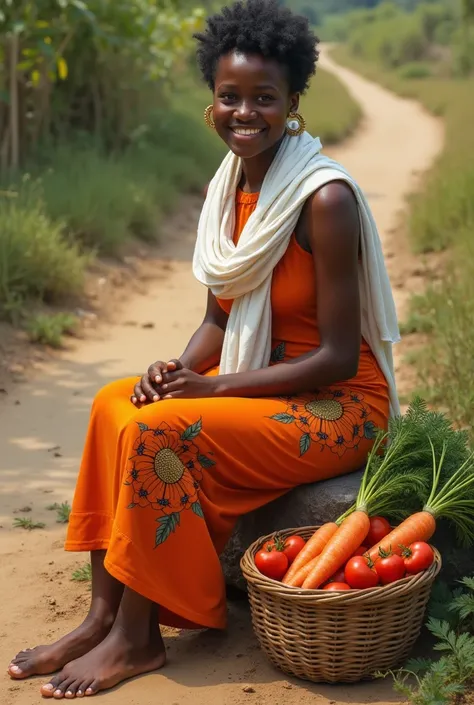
(284, 382)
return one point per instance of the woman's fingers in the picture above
(145, 389)
(138, 396)
(148, 389)
(155, 371)
(174, 364)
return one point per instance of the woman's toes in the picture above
(93, 688)
(21, 668)
(81, 690)
(56, 686)
(62, 689)
(71, 691)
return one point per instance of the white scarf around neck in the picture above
(243, 272)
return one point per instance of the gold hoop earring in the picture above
(296, 125)
(208, 119)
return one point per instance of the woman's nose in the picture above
(245, 111)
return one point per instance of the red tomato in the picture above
(359, 574)
(273, 564)
(360, 551)
(390, 568)
(419, 557)
(379, 528)
(292, 546)
(337, 586)
(338, 577)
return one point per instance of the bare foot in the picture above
(48, 659)
(115, 659)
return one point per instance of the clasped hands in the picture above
(170, 380)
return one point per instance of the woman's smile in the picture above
(246, 134)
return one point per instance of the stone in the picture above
(307, 505)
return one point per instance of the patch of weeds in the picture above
(83, 574)
(49, 329)
(421, 315)
(62, 510)
(27, 524)
(446, 680)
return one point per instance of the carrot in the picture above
(298, 579)
(339, 548)
(312, 548)
(417, 527)
(451, 497)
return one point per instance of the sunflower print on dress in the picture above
(165, 472)
(337, 419)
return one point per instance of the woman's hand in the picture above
(146, 390)
(185, 384)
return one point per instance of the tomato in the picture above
(379, 528)
(292, 546)
(338, 577)
(360, 551)
(337, 586)
(390, 568)
(419, 556)
(359, 573)
(273, 564)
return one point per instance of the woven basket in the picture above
(336, 637)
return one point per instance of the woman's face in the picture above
(251, 103)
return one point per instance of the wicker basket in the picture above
(336, 637)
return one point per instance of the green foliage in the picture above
(415, 70)
(83, 574)
(36, 259)
(437, 682)
(49, 329)
(62, 510)
(27, 524)
(86, 64)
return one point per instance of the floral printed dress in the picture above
(160, 488)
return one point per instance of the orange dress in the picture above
(160, 488)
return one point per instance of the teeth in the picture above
(247, 130)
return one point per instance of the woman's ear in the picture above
(294, 102)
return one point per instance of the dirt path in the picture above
(43, 422)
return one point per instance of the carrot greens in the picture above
(452, 494)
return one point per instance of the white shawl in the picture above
(244, 271)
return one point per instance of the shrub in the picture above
(36, 259)
(415, 70)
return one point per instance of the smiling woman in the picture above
(284, 383)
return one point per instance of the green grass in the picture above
(329, 110)
(83, 574)
(441, 217)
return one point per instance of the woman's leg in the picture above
(105, 600)
(133, 646)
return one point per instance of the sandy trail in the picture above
(43, 422)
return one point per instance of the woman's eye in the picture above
(266, 98)
(228, 96)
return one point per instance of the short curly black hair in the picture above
(260, 27)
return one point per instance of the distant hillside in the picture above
(316, 10)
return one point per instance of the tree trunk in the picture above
(14, 112)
